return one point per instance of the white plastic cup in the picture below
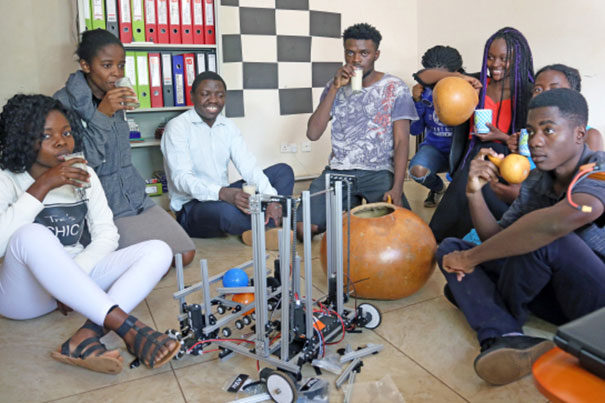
(356, 80)
(124, 82)
(249, 188)
(482, 118)
(80, 154)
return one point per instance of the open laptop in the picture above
(585, 339)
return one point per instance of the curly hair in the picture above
(22, 126)
(362, 31)
(572, 75)
(443, 57)
(94, 40)
(572, 105)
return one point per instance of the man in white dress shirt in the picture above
(197, 147)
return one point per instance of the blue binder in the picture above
(178, 80)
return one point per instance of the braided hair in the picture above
(22, 126)
(521, 74)
(572, 75)
(442, 57)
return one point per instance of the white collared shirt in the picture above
(196, 159)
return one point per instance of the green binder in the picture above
(143, 80)
(97, 10)
(138, 21)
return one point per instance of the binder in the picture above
(125, 22)
(189, 62)
(87, 15)
(186, 27)
(98, 14)
(155, 80)
(209, 34)
(151, 28)
(167, 83)
(138, 21)
(200, 62)
(143, 80)
(162, 19)
(198, 21)
(111, 9)
(178, 80)
(174, 21)
(130, 69)
(211, 61)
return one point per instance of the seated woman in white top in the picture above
(58, 242)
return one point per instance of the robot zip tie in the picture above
(304, 327)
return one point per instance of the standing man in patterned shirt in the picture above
(370, 128)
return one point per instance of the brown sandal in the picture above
(83, 356)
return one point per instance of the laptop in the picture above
(585, 339)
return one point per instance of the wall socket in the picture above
(288, 148)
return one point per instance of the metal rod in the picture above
(345, 374)
(260, 274)
(180, 280)
(337, 247)
(284, 265)
(306, 208)
(207, 302)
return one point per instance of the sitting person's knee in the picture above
(419, 173)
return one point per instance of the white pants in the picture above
(37, 272)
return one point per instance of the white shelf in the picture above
(163, 109)
(175, 46)
(146, 143)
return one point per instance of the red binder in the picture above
(151, 27)
(155, 80)
(174, 21)
(209, 34)
(125, 21)
(186, 26)
(189, 60)
(161, 8)
(197, 13)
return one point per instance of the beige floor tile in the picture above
(157, 388)
(435, 335)
(25, 348)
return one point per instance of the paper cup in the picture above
(482, 118)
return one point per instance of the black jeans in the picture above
(558, 282)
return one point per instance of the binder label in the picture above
(150, 11)
(186, 9)
(209, 13)
(197, 12)
(112, 12)
(142, 70)
(174, 12)
(180, 90)
(166, 69)
(162, 12)
(97, 10)
(137, 10)
(130, 68)
(189, 69)
(125, 11)
(154, 68)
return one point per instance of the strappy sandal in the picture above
(151, 337)
(83, 354)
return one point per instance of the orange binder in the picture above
(186, 27)
(209, 34)
(197, 13)
(174, 21)
(189, 60)
(161, 7)
(151, 27)
(155, 80)
(125, 21)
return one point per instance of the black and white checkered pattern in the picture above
(280, 46)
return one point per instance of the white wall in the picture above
(558, 31)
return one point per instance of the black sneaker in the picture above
(433, 197)
(506, 359)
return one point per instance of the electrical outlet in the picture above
(293, 147)
(306, 147)
(284, 148)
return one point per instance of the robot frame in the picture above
(301, 333)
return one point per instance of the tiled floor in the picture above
(428, 348)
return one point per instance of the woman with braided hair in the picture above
(505, 84)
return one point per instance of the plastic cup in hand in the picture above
(249, 188)
(80, 165)
(482, 118)
(356, 80)
(124, 82)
